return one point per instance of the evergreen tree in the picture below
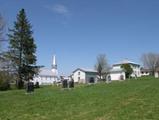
(22, 49)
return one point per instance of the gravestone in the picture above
(108, 79)
(71, 83)
(30, 87)
(64, 83)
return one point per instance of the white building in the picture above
(157, 73)
(47, 76)
(145, 72)
(84, 75)
(117, 73)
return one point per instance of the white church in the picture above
(47, 76)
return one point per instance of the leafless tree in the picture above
(1, 39)
(2, 25)
(101, 65)
(4, 61)
(150, 61)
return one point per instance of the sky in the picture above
(77, 31)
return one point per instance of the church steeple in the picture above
(54, 64)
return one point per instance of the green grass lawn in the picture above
(127, 100)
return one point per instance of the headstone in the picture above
(29, 87)
(64, 83)
(71, 83)
(108, 79)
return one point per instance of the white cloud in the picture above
(59, 9)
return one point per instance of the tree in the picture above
(1, 38)
(4, 80)
(3, 60)
(150, 61)
(2, 26)
(4, 77)
(22, 49)
(101, 66)
(128, 70)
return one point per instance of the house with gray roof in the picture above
(118, 73)
(81, 75)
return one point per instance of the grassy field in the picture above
(127, 100)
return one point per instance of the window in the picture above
(78, 73)
(78, 78)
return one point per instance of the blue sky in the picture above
(78, 30)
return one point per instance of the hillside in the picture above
(127, 100)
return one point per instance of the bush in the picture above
(4, 85)
(4, 81)
(19, 84)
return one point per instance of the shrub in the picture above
(19, 84)
(4, 81)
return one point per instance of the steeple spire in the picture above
(54, 64)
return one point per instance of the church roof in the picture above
(46, 72)
(86, 70)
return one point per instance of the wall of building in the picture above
(45, 80)
(117, 67)
(46, 76)
(79, 76)
(145, 73)
(91, 75)
(156, 74)
(117, 75)
(136, 69)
